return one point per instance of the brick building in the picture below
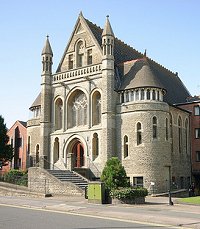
(193, 105)
(18, 139)
(107, 99)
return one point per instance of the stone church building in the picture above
(107, 99)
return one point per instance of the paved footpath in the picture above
(155, 210)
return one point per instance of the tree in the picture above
(114, 174)
(6, 150)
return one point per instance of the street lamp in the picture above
(169, 191)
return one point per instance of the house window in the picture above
(71, 62)
(139, 133)
(154, 127)
(89, 56)
(95, 146)
(125, 146)
(138, 182)
(198, 156)
(197, 132)
(197, 110)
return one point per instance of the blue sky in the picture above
(169, 30)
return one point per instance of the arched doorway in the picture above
(78, 155)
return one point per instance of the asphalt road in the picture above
(23, 218)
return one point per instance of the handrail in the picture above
(98, 173)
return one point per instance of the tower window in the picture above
(139, 133)
(154, 127)
(148, 94)
(80, 53)
(167, 135)
(95, 146)
(154, 95)
(198, 156)
(125, 146)
(142, 94)
(197, 132)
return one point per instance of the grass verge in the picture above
(190, 200)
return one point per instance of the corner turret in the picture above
(47, 56)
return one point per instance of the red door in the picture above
(78, 152)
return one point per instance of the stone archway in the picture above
(75, 154)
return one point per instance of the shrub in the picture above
(128, 193)
(114, 174)
(16, 177)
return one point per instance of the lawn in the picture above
(190, 200)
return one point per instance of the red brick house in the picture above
(18, 139)
(193, 105)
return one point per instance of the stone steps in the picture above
(70, 176)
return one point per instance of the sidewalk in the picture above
(156, 209)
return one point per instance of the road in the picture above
(155, 212)
(13, 217)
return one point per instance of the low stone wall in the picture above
(39, 180)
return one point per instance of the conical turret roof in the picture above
(141, 76)
(47, 47)
(107, 28)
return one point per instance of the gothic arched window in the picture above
(155, 130)
(171, 132)
(77, 109)
(96, 108)
(186, 135)
(125, 146)
(58, 114)
(139, 133)
(153, 95)
(179, 134)
(142, 94)
(148, 94)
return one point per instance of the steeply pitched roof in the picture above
(140, 75)
(107, 28)
(23, 123)
(176, 91)
(37, 102)
(47, 48)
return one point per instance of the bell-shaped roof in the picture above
(141, 76)
(107, 28)
(47, 48)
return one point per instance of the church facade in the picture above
(107, 99)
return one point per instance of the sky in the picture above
(168, 30)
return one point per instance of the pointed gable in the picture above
(81, 32)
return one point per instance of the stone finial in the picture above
(47, 47)
(107, 28)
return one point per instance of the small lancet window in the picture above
(71, 62)
(154, 95)
(89, 56)
(180, 134)
(155, 127)
(139, 133)
(142, 94)
(125, 146)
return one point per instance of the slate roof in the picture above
(176, 91)
(47, 48)
(140, 75)
(23, 123)
(37, 102)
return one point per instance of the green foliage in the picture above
(114, 174)
(6, 151)
(128, 193)
(16, 177)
